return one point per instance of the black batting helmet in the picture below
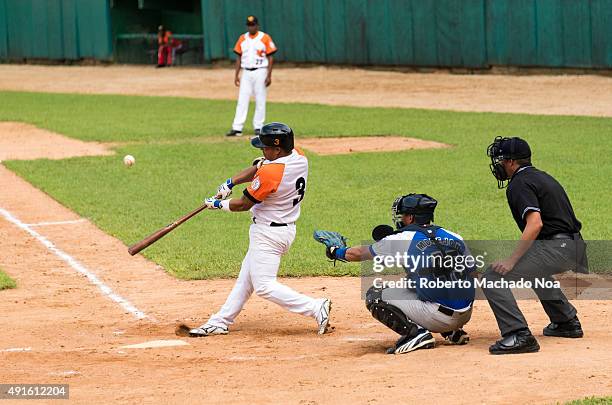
(421, 206)
(274, 134)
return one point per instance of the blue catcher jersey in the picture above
(421, 256)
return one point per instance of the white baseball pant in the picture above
(252, 82)
(258, 274)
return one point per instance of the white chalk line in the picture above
(72, 262)
(17, 349)
(74, 221)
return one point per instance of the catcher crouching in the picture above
(432, 252)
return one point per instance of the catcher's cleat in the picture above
(456, 337)
(208, 330)
(406, 344)
(323, 316)
(233, 132)
(257, 132)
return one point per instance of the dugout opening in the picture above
(134, 30)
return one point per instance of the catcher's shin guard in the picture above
(389, 315)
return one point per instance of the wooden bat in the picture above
(155, 236)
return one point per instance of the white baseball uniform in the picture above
(277, 189)
(253, 52)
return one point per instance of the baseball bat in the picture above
(155, 236)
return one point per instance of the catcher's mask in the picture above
(506, 149)
(421, 206)
(274, 134)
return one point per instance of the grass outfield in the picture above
(349, 193)
(5, 281)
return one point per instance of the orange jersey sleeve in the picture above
(237, 47)
(270, 45)
(266, 181)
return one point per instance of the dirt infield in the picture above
(19, 141)
(561, 94)
(345, 145)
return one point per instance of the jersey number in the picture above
(300, 186)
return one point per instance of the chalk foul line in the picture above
(76, 265)
(75, 221)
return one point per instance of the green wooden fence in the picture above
(438, 33)
(447, 33)
(55, 29)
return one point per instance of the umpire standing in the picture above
(550, 244)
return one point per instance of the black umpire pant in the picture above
(544, 259)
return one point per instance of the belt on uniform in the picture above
(448, 311)
(561, 236)
(270, 224)
(251, 69)
(445, 310)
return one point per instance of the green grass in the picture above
(5, 281)
(591, 401)
(349, 193)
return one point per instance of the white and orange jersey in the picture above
(253, 51)
(278, 189)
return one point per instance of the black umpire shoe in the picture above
(233, 132)
(518, 342)
(569, 329)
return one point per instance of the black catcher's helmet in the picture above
(274, 134)
(505, 149)
(421, 206)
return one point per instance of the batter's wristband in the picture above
(225, 205)
(340, 253)
(229, 183)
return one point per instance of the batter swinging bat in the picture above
(155, 236)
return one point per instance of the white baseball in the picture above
(129, 160)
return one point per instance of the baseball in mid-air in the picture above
(129, 160)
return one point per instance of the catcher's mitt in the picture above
(332, 241)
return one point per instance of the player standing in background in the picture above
(278, 183)
(164, 50)
(254, 50)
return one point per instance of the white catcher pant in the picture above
(252, 82)
(258, 274)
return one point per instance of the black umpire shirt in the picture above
(531, 189)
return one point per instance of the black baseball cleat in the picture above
(257, 132)
(233, 132)
(519, 342)
(569, 329)
(407, 344)
(456, 337)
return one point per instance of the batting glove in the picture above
(225, 189)
(213, 203)
(259, 161)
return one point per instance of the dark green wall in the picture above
(127, 18)
(182, 17)
(55, 29)
(447, 33)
